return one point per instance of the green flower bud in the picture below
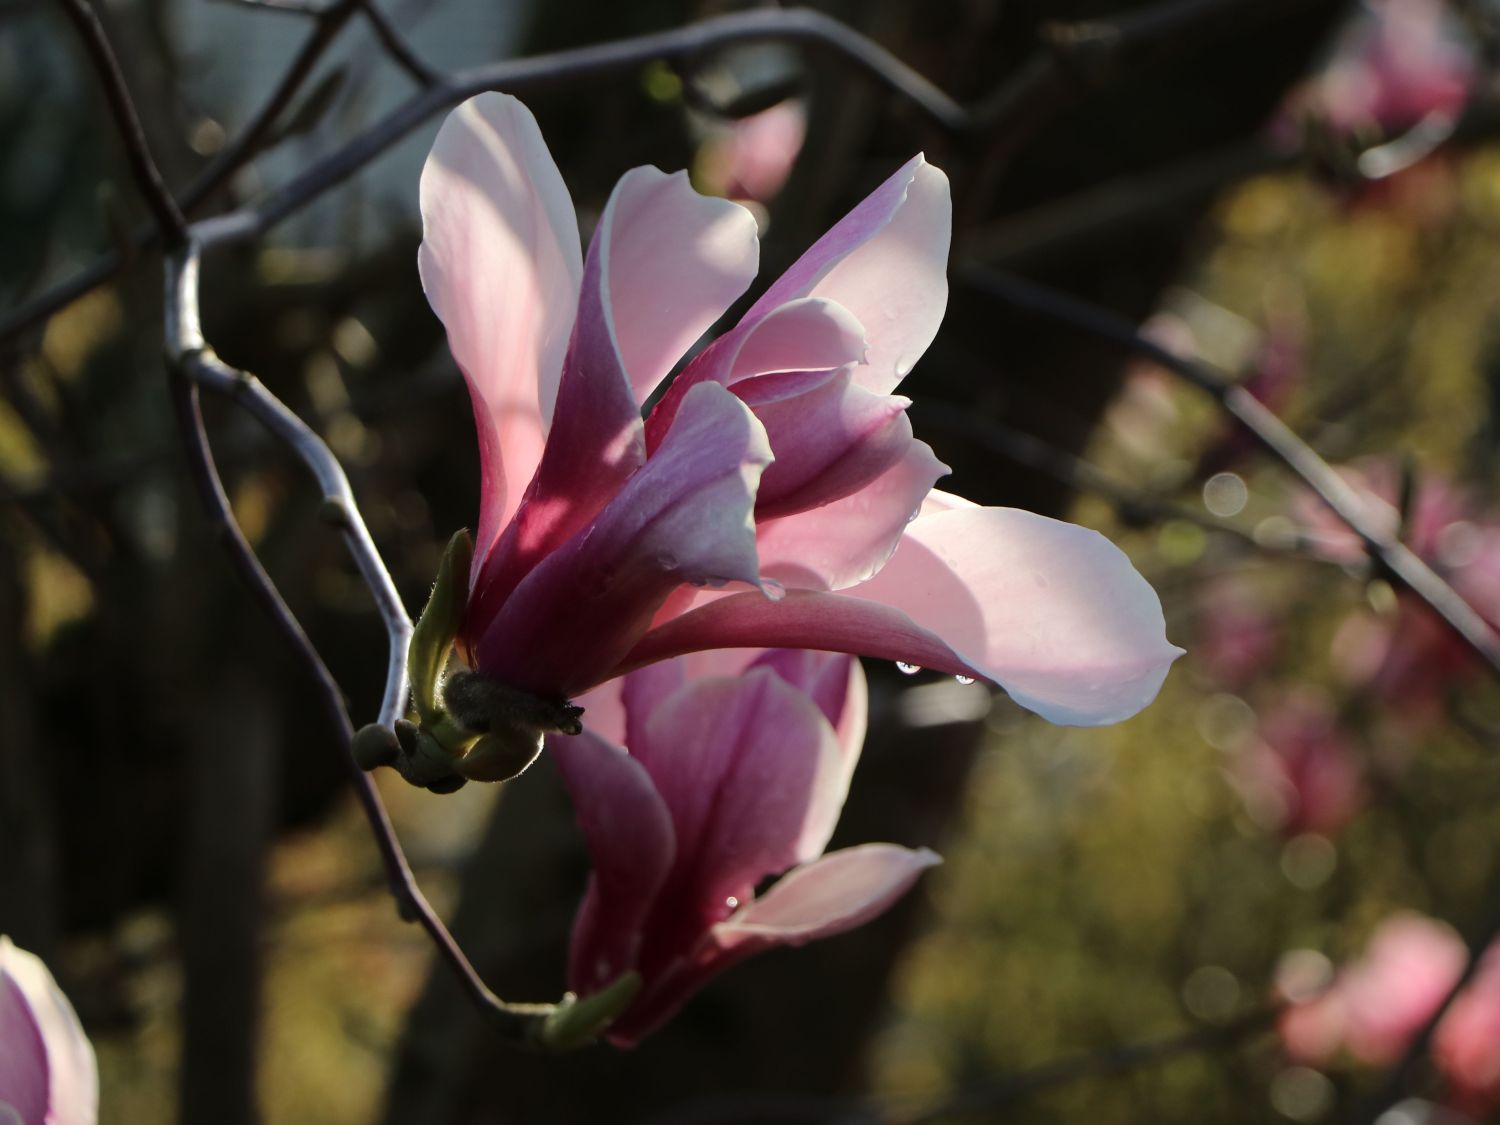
(437, 628)
(501, 754)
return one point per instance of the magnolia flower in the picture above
(47, 1070)
(775, 496)
(1301, 772)
(1378, 1004)
(728, 779)
(752, 157)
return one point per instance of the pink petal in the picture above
(808, 334)
(500, 264)
(1053, 613)
(604, 706)
(836, 683)
(686, 516)
(844, 542)
(835, 893)
(830, 438)
(47, 1068)
(676, 260)
(827, 897)
(629, 834)
(744, 765)
(887, 263)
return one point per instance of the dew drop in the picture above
(964, 679)
(773, 590)
(666, 560)
(732, 902)
(907, 669)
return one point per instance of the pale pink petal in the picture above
(1053, 613)
(629, 834)
(663, 265)
(604, 710)
(827, 897)
(604, 706)
(47, 1068)
(836, 683)
(830, 438)
(676, 260)
(743, 764)
(686, 516)
(843, 543)
(500, 263)
(887, 263)
(808, 334)
(832, 894)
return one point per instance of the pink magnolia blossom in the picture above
(1403, 61)
(47, 1070)
(1466, 1046)
(1412, 658)
(728, 779)
(1301, 772)
(754, 156)
(769, 499)
(1377, 1005)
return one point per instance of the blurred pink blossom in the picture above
(47, 1071)
(753, 157)
(778, 461)
(1411, 657)
(1237, 635)
(1301, 773)
(692, 791)
(1397, 63)
(1378, 1004)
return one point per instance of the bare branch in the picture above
(142, 168)
(397, 47)
(194, 364)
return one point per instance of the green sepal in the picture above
(501, 754)
(437, 628)
(576, 1023)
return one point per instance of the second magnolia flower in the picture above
(778, 462)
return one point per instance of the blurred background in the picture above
(1306, 195)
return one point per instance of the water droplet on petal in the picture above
(907, 669)
(964, 679)
(732, 902)
(666, 560)
(773, 590)
(915, 513)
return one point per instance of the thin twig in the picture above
(214, 176)
(1396, 560)
(515, 75)
(193, 364)
(397, 47)
(142, 168)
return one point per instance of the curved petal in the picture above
(676, 261)
(807, 334)
(47, 1068)
(500, 264)
(686, 516)
(827, 897)
(887, 263)
(1053, 613)
(843, 543)
(629, 834)
(838, 892)
(836, 683)
(830, 438)
(746, 766)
